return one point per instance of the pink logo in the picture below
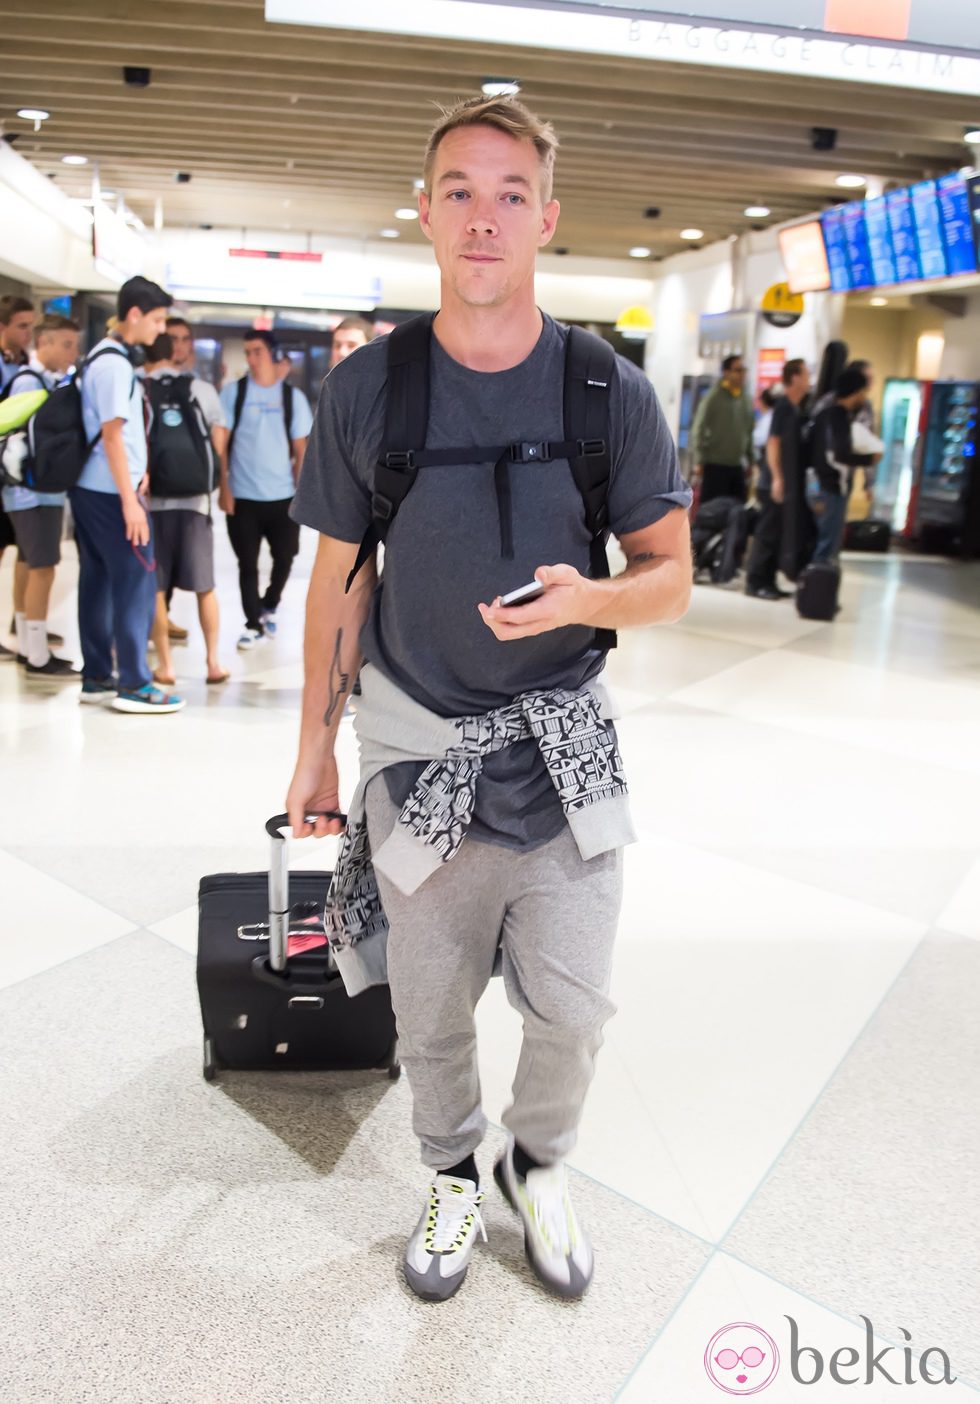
(741, 1358)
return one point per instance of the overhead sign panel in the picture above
(942, 53)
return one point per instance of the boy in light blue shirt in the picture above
(270, 422)
(116, 567)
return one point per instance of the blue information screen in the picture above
(836, 240)
(880, 241)
(973, 192)
(928, 229)
(954, 210)
(904, 243)
(856, 243)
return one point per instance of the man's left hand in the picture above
(569, 598)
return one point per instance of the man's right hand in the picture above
(137, 526)
(225, 501)
(315, 786)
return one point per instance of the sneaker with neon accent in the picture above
(439, 1251)
(558, 1251)
(148, 699)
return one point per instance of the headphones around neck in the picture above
(136, 354)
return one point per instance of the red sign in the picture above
(875, 19)
(282, 254)
(769, 371)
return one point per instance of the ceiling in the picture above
(311, 129)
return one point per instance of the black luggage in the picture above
(718, 538)
(870, 535)
(271, 995)
(816, 592)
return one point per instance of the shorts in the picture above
(184, 545)
(7, 537)
(38, 533)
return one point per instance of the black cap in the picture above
(849, 382)
(141, 293)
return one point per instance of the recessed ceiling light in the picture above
(74, 160)
(407, 213)
(850, 182)
(639, 252)
(389, 234)
(41, 114)
(756, 211)
(692, 233)
(419, 184)
(878, 301)
(108, 194)
(501, 87)
(971, 135)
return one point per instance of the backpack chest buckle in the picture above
(530, 453)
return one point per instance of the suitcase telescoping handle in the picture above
(279, 884)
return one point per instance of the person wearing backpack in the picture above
(186, 437)
(488, 447)
(270, 421)
(16, 330)
(116, 568)
(38, 517)
(780, 460)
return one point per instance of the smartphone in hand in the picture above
(524, 595)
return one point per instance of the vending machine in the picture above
(901, 411)
(944, 506)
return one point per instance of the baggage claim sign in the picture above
(932, 45)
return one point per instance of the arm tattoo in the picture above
(338, 682)
(643, 557)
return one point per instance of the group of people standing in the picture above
(788, 439)
(143, 533)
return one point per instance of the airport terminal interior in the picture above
(777, 1161)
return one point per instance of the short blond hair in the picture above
(505, 114)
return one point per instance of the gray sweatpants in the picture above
(554, 917)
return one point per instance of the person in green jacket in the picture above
(722, 435)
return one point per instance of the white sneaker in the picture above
(557, 1249)
(269, 625)
(439, 1250)
(249, 638)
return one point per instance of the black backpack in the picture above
(180, 456)
(57, 445)
(241, 390)
(589, 366)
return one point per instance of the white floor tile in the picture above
(797, 1337)
(962, 913)
(44, 922)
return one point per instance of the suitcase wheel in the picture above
(210, 1062)
(395, 1071)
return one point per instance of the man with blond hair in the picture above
(488, 823)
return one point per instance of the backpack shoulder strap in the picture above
(241, 390)
(287, 413)
(590, 364)
(406, 424)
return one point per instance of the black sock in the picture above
(465, 1170)
(523, 1163)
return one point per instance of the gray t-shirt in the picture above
(443, 552)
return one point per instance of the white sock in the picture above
(20, 628)
(38, 653)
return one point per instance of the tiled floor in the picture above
(784, 1129)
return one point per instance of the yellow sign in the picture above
(636, 323)
(781, 307)
(778, 298)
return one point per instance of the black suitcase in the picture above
(870, 535)
(271, 995)
(816, 593)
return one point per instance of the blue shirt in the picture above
(260, 469)
(21, 499)
(9, 368)
(112, 390)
